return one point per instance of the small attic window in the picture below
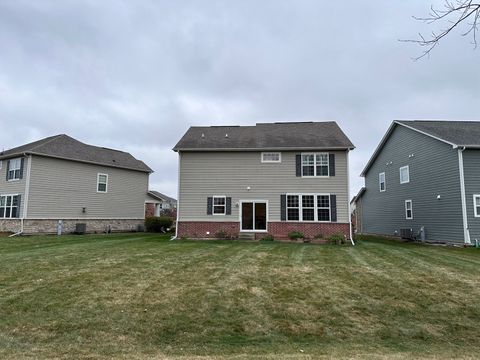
(271, 157)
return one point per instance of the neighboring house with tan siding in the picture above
(60, 178)
(269, 178)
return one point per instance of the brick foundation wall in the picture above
(149, 209)
(199, 229)
(32, 226)
(279, 230)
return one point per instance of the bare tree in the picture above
(453, 14)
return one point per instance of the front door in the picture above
(254, 216)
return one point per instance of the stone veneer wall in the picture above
(10, 225)
(279, 230)
(33, 226)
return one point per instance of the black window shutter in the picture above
(298, 165)
(333, 208)
(228, 204)
(8, 168)
(18, 205)
(209, 205)
(331, 164)
(283, 207)
(22, 162)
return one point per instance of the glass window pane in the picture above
(102, 187)
(219, 201)
(308, 159)
(15, 200)
(292, 214)
(2, 200)
(308, 170)
(102, 179)
(308, 201)
(9, 200)
(323, 201)
(308, 214)
(323, 214)
(2, 212)
(322, 170)
(14, 212)
(292, 201)
(7, 212)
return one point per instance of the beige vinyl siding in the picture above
(61, 188)
(204, 174)
(13, 186)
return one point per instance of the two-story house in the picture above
(61, 179)
(269, 178)
(423, 180)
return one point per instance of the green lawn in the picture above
(142, 296)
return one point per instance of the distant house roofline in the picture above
(415, 125)
(67, 148)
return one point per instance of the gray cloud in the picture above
(136, 75)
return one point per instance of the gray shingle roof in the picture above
(455, 133)
(161, 196)
(64, 147)
(460, 133)
(265, 136)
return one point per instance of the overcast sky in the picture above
(134, 75)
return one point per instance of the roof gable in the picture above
(65, 147)
(265, 136)
(454, 133)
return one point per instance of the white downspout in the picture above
(348, 198)
(466, 232)
(178, 198)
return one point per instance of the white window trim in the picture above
(475, 197)
(14, 169)
(106, 183)
(315, 208)
(18, 207)
(380, 182)
(254, 201)
(224, 205)
(408, 174)
(315, 165)
(271, 161)
(411, 209)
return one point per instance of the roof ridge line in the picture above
(46, 142)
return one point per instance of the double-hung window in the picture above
(9, 206)
(14, 169)
(476, 205)
(381, 182)
(404, 174)
(315, 165)
(308, 207)
(408, 210)
(102, 183)
(219, 205)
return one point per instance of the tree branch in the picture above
(453, 14)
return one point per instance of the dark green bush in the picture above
(337, 239)
(158, 224)
(294, 235)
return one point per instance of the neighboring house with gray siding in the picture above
(269, 178)
(424, 175)
(60, 178)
